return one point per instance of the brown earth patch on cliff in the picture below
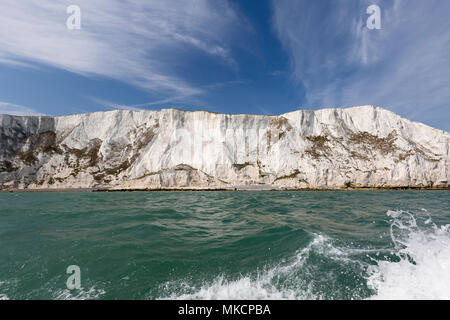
(240, 166)
(144, 138)
(7, 166)
(370, 142)
(282, 125)
(290, 176)
(90, 153)
(44, 142)
(319, 146)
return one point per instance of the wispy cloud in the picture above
(138, 42)
(112, 105)
(185, 101)
(172, 102)
(14, 109)
(405, 66)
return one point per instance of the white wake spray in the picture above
(418, 268)
(423, 271)
(289, 280)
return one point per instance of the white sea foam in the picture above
(81, 294)
(423, 269)
(242, 289)
(280, 282)
(418, 267)
(3, 286)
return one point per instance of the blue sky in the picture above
(264, 57)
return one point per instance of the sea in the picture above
(328, 245)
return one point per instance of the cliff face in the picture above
(329, 148)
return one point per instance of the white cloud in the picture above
(14, 109)
(138, 42)
(112, 105)
(405, 66)
(183, 101)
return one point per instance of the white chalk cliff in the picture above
(329, 148)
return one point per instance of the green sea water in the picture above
(226, 245)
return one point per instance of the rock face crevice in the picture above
(329, 148)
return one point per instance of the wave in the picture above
(7, 289)
(262, 287)
(4, 286)
(81, 294)
(296, 278)
(417, 266)
(423, 267)
(414, 263)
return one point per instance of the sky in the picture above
(229, 56)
